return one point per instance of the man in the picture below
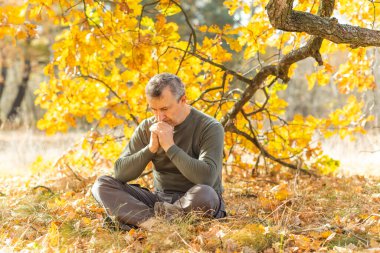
(186, 148)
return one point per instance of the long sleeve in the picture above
(208, 166)
(134, 158)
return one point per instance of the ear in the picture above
(183, 99)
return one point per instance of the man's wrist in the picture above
(168, 147)
(152, 150)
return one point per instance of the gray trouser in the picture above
(131, 204)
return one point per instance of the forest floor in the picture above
(289, 212)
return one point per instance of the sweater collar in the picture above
(186, 121)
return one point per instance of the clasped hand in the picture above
(161, 134)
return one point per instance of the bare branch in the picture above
(220, 66)
(135, 120)
(249, 92)
(194, 35)
(101, 81)
(43, 187)
(184, 55)
(205, 92)
(222, 95)
(234, 129)
(141, 15)
(261, 108)
(95, 23)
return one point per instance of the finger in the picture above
(164, 125)
(153, 128)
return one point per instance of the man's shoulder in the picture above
(206, 121)
(146, 123)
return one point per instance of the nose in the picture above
(160, 116)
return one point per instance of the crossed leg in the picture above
(131, 205)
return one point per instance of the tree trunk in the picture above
(13, 112)
(4, 72)
(3, 79)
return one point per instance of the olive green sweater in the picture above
(195, 158)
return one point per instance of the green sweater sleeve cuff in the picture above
(172, 151)
(147, 153)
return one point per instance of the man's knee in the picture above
(204, 197)
(103, 182)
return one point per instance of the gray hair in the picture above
(158, 82)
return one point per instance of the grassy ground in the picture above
(54, 212)
(290, 214)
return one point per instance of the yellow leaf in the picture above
(311, 80)
(214, 29)
(35, 13)
(53, 234)
(86, 221)
(328, 67)
(168, 8)
(280, 192)
(234, 44)
(202, 28)
(21, 34)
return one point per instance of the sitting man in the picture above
(186, 148)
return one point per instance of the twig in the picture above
(188, 245)
(255, 168)
(261, 108)
(96, 24)
(194, 35)
(141, 15)
(222, 95)
(104, 83)
(135, 120)
(204, 93)
(43, 187)
(75, 174)
(275, 210)
(255, 141)
(184, 55)
(220, 66)
(72, 6)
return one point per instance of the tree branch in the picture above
(220, 66)
(112, 91)
(194, 35)
(282, 16)
(141, 15)
(232, 128)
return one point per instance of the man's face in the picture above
(166, 107)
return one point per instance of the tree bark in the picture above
(13, 112)
(3, 78)
(4, 72)
(283, 17)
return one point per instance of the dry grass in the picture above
(317, 214)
